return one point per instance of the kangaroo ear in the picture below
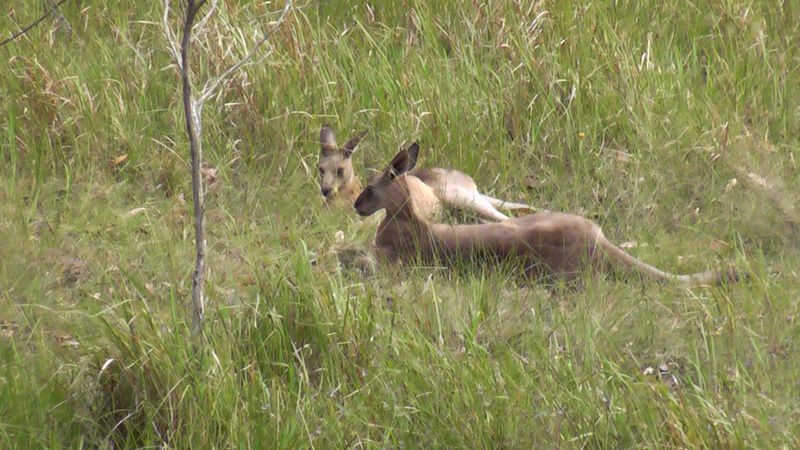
(403, 161)
(350, 146)
(413, 153)
(327, 141)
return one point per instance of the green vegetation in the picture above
(637, 114)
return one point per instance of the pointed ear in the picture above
(404, 161)
(327, 141)
(350, 146)
(413, 152)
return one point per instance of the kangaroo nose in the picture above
(326, 191)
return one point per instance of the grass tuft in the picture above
(673, 125)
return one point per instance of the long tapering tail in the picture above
(693, 279)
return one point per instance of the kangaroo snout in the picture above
(326, 191)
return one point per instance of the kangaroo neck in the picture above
(403, 228)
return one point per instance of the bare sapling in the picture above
(192, 109)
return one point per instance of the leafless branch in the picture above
(36, 22)
(192, 109)
(202, 23)
(61, 19)
(172, 41)
(212, 84)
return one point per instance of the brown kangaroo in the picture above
(546, 243)
(449, 186)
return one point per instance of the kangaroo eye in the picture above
(340, 172)
(321, 171)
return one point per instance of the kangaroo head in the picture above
(389, 189)
(335, 166)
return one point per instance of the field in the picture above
(674, 125)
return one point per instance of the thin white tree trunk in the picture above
(194, 132)
(192, 110)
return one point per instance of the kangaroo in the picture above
(449, 186)
(555, 244)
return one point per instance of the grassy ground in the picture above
(637, 114)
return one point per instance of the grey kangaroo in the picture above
(544, 243)
(337, 180)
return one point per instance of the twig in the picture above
(212, 84)
(171, 39)
(36, 22)
(63, 20)
(202, 23)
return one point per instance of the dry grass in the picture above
(636, 114)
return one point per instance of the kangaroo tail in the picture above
(707, 277)
(497, 203)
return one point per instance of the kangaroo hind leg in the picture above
(472, 200)
(497, 203)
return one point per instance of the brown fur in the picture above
(545, 243)
(451, 187)
(346, 195)
(336, 175)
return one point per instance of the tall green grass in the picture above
(637, 114)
